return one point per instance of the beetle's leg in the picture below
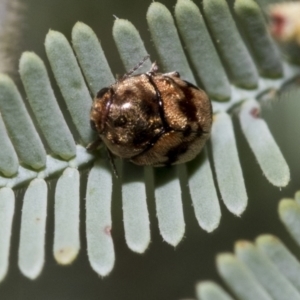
(94, 145)
(112, 162)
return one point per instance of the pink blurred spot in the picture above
(107, 230)
(255, 112)
(278, 23)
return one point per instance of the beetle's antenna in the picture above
(136, 67)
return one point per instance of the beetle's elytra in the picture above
(152, 118)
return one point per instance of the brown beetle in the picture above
(152, 118)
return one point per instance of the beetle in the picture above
(152, 118)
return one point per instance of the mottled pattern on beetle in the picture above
(130, 125)
(153, 119)
(188, 112)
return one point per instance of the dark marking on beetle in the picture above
(187, 131)
(107, 110)
(102, 92)
(187, 107)
(160, 104)
(151, 143)
(127, 94)
(141, 137)
(200, 131)
(191, 85)
(148, 108)
(93, 125)
(120, 121)
(175, 152)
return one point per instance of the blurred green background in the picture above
(162, 273)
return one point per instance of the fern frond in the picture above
(265, 269)
(224, 66)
